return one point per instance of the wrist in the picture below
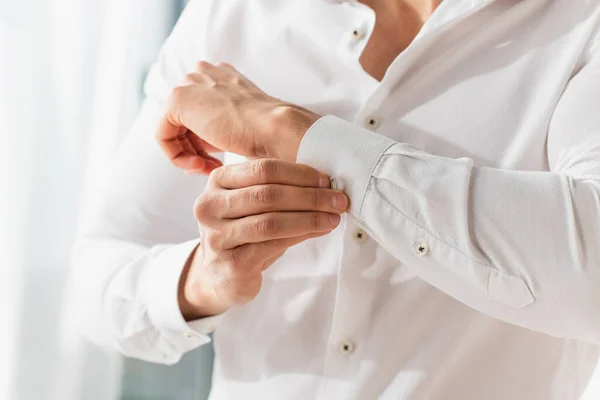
(287, 126)
(196, 299)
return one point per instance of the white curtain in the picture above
(593, 391)
(71, 73)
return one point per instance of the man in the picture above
(461, 137)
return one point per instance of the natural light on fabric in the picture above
(464, 263)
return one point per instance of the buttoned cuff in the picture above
(162, 287)
(346, 152)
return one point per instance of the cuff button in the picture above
(336, 183)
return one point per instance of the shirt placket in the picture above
(354, 294)
(376, 107)
(353, 310)
(353, 307)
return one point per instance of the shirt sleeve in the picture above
(141, 231)
(519, 246)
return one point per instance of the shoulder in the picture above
(572, 24)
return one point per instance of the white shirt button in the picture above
(346, 347)
(357, 34)
(189, 335)
(211, 329)
(360, 235)
(372, 122)
(421, 249)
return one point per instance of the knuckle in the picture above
(235, 80)
(211, 239)
(229, 199)
(268, 226)
(200, 208)
(224, 64)
(202, 66)
(310, 175)
(205, 206)
(266, 195)
(191, 78)
(215, 175)
(306, 175)
(315, 199)
(315, 222)
(265, 169)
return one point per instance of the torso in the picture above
(412, 341)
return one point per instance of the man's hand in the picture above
(218, 108)
(252, 213)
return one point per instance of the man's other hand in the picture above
(251, 213)
(215, 108)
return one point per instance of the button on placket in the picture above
(421, 249)
(346, 347)
(372, 122)
(353, 38)
(360, 235)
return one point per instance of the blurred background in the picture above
(71, 76)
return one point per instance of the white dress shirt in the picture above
(468, 267)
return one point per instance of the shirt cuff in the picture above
(162, 286)
(346, 152)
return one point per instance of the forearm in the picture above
(188, 311)
(206, 304)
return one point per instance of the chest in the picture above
(482, 84)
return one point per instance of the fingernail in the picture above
(340, 201)
(334, 219)
(324, 182)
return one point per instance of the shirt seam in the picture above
(370, 179)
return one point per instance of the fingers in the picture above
(249, 260)
(181, 146)
(215, 103)
(184, 149)
(235, 275)
(276, 247)
(279, 246)
(261, 199)
(228, 67)
(277, 225)
(198, 143)
(265, 171)
(219, 71)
